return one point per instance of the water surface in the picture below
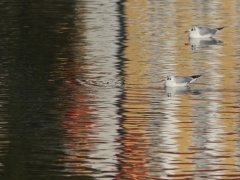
(81, 93)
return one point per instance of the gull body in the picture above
(202, 32)
(178, 81)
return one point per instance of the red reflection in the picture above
(77, 125)
(134, 156)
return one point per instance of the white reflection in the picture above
(174, 91)
(99, 77)
(102, 46)
(196, 44)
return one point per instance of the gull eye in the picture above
(192, 29)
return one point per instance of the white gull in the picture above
(202, 32)
(176, 81)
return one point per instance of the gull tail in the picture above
(195, 77)
(219, 29)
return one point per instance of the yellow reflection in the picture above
(135, 142)
(227, 112)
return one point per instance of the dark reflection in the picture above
(38, 61)
(4, 142)
(196, 44)
(175, 91)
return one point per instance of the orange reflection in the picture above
(78, 126)
(134, 154)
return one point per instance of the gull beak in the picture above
(186, 31)
(163, 80)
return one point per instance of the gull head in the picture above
(169, 80)
(193, 32)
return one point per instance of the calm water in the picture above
(81, 94)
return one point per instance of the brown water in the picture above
(81, 95)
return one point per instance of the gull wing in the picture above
(214, 31)
(187, 79)
(181, 80)
(204, 31)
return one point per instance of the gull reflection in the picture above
(174, 91)
(196, 44)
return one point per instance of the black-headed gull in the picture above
(202, 32)
(176, 81)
